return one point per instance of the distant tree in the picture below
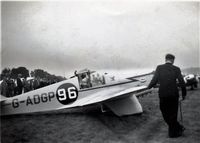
(14, 73)
(39, 73)
(23, 71)
(60, 78)
(20, 70)
(5, 72)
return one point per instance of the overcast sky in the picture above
(64, 36)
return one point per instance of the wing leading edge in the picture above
(120, 101)
(106, 95)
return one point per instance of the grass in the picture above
(90, 125)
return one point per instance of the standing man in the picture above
(4, 87)
(19, 85)
(167, 76)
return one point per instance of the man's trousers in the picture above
(169, 109)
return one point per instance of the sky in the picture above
(61, 37)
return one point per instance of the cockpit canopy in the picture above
(88, 78)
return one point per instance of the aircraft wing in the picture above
(107, 95)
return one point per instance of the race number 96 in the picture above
(67, 93)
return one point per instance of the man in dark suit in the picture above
(19, 85)
(167, 76)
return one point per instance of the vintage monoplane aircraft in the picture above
(84, 88)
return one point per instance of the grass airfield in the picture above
(89, 125)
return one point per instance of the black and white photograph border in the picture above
(83, 70)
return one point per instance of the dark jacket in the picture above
(167, 75)
(19, 83)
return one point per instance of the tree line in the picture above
(24, 72)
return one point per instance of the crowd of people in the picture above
(11, 87)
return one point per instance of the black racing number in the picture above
(67, 93)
